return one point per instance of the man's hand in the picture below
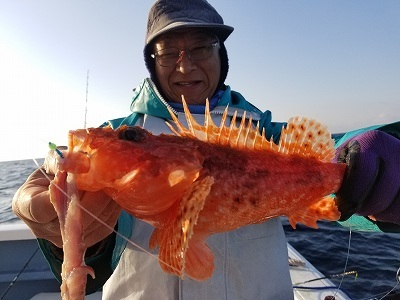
(32, 204)
(371, 185)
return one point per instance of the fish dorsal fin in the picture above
(301, 136)
(242, 136)
(307, 137)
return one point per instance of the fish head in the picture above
(131, 163)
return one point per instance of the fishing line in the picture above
(342, 275)
(398, 282)
(105, 224)
(352, 272)
(19, 273)
(384, 294)
(345, 265)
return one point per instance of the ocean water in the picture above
(374, 256)
(12, 175)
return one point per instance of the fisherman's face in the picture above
(194, 79)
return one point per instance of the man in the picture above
(185, 55)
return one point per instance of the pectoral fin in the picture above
(174, 238)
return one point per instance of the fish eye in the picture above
(131, 134)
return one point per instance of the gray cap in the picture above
(166, 15)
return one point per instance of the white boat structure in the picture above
(309, 283)
(25, 274)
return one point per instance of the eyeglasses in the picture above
(171, 56)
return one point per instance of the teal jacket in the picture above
(148, 101)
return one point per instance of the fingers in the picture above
(359, 178)
(53, 160)
(346, 205)
(105, 210)
(32, 200)
(97, 231)
(31, 204)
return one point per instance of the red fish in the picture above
(208, 179)
(64, 197)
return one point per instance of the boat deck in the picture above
(24, 271)
(303, 275)
(25, 274)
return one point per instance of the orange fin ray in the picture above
(324, 209)
(199, 261)
(307, 137)
(301, 136)
(242, 136)
(175, 238)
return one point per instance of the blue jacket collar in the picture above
(148, 100)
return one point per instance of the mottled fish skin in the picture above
(65, 199)
(206, 179)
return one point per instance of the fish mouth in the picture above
(77, 159)
(70, 163)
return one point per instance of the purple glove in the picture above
(371, 184)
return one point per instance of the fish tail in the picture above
(324, 209)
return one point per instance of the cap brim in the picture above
(221, 31)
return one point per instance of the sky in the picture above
(335, 61)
